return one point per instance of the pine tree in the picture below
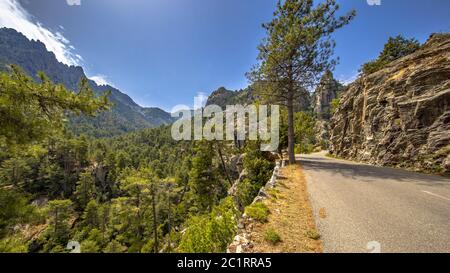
(297, 50)
(85, 189)
(33, 111)
(91, 216)
(58, 231)
(203, 177)
(395, 48)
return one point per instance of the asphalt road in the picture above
(362, 208)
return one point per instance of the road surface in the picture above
(362, 208)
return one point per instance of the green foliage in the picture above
(114, 247)
(14, 244)
(258, 211)
(259, 167)
(246, 192)
(304, 149)
(14, 171)
(204, 177)
(297, 50)
(304, 130)
(396, 48)
(211, 233)
(271, 236)
(91, 216)
(58, 231)
(124, 117)
(33, 111)
(85, 189)
(89, 246)
(130, 193)
(335, 103)
(259, 170)
(14, 210)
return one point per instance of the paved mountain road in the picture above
(355, 204)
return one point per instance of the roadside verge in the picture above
(281, 219)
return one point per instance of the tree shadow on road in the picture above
(368, 173)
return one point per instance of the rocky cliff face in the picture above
(327, 90)
(399, 116)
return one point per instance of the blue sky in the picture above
(163, 52)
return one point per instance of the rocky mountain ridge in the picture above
(223, 97)
(125, 116)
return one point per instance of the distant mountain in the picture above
(125, 116)
(223, 97)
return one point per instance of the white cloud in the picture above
(101, 80)
(73, 2)
(13, 15)
(346, 80)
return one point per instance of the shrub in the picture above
(272, 236)
(395, 48)
(114, 247)
(335, 103)
(259, 170)
(89, 246)
(258, 211)
(246, 192)
(14, 244)
(211, 233)
(304, 149)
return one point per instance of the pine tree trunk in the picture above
(291, 136)
(155, 229)
(170, 225)
(223, 164)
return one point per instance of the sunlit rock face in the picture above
(327, 90)
(399, 116)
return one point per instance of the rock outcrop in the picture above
(400, 115)
(327, 90)
(223, 97)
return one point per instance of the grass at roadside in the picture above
(290, 226)
(258, 211)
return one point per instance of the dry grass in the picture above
(291, 217)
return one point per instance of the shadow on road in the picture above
(367, 173)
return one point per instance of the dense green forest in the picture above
(71, 173)
(139, 192)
